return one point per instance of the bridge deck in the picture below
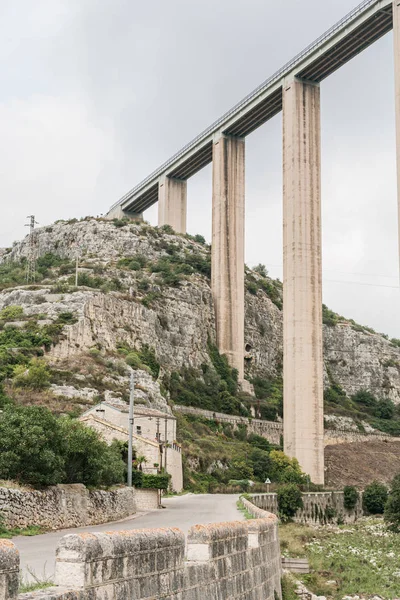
(359, 29)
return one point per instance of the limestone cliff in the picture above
(125, 298)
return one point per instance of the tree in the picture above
(88, 459)
(261, 464)
(350, 497)
(285, 469)
(289, 500)
(31, 446)
(392, 508)
(261, 270)
(375, 497)
(36, 376)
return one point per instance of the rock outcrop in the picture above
(177, 320)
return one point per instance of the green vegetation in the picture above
(158, 481)
(375, 496)
(356, 559)
(392, 507)
(288, 588)
(270, 391)
(210, 388)
(217, 457)
(40, 449)
(289, 500)
(271, 287)
(241, 507)
(380, 413)
(351, 496)
(144, 359)
(26, 531)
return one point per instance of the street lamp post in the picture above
(131, 417)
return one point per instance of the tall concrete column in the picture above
(396, 41)
(302, 278)
(227, 249)
(172, 198)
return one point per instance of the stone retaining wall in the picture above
(9, 570)
(65, 506)
(273, 431)
(318, 507)
(226, 561)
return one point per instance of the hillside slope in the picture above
(144, 301)
(360, 463)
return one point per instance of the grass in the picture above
(359, 559)
(26, 531)
(38, 582)
(241, 508)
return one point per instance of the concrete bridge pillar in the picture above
(227, 249)
(302, 278)
(396, 41)
(172, 198)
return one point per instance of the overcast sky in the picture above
(96, 94)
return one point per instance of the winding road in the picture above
(38, 552)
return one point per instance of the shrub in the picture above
(87, 458)
(159, 481)
(36, 376)
(375, 497)
(289, 500)
(392, 508)
(31, 445)
(252, 287)
(199, 239)
(11, 313)
(67, 318)
(285, 469)
(133, 360)
(329, 317)
(350, 497)
(261, 270)
(148, 357)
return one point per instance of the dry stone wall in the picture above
(65, 506)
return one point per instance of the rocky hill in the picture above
(144, 299)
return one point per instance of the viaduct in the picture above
(294, 89)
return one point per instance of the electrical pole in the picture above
(31, 259)
(131, 417)
(166, 441)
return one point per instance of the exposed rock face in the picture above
(180, 319)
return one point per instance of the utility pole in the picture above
(166, 442)
(131, 417)
(31, 259)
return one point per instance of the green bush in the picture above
(351, 496)
(285, 469)
(31, 446)
(11, 313)
(289, 500)
(39, 449)
(159, 481)
(329, 317)
(148, 357)
(261, 270)
(36, 376)
(375, 497)
(392, 507)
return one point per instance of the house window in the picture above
(138, 429)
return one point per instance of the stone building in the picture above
(154, 435)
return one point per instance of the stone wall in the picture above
(9, 570)
(318, 507)
(226, 560)
(64, 506)
(271, 430)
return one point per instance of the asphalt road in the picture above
(38, 552)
